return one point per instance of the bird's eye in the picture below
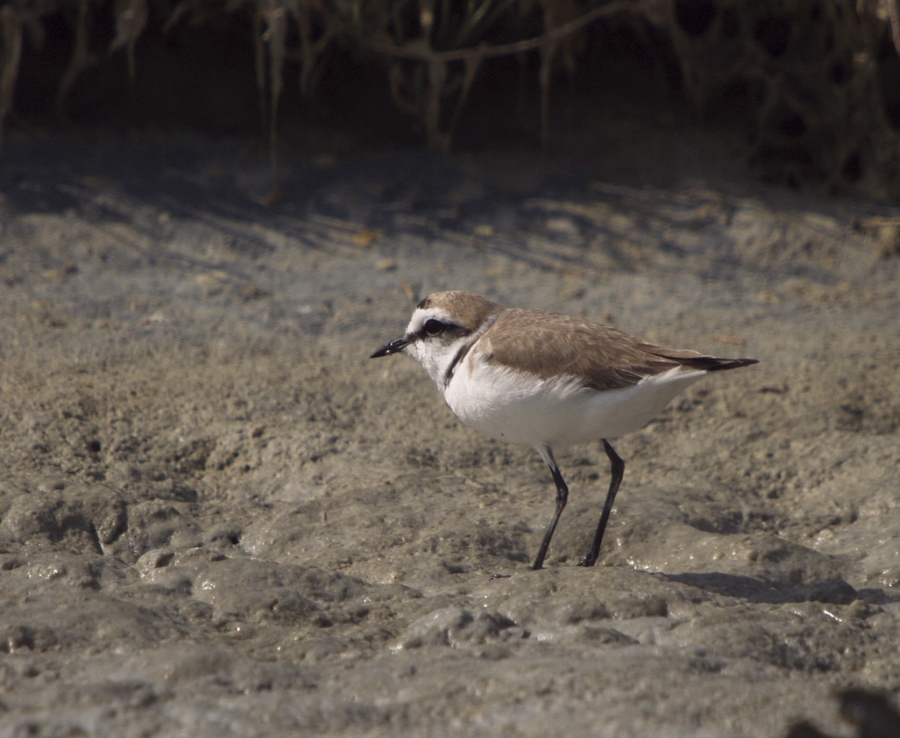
(434, 327)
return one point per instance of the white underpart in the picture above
(518, 407)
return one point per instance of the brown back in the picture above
(552, 344)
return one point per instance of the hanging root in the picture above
(12, 54)
(819, 76)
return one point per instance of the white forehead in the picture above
(422, 315)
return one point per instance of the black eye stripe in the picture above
(434, 327)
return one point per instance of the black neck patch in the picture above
(464, 349)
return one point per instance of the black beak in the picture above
(394, 347)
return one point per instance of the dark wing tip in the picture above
(693, 360)
(712, 364)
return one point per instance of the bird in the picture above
(547, 380)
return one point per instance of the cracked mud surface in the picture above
(219, 518)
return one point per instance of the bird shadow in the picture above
(834, 590)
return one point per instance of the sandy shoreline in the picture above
(219, 518)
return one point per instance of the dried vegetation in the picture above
(820, 78)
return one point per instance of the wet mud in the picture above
(219, 518)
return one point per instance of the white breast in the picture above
(518, 407)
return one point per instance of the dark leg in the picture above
(562, 494)
(617, 469)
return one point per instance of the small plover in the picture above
(546, 380)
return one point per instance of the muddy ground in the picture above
(219, 518)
